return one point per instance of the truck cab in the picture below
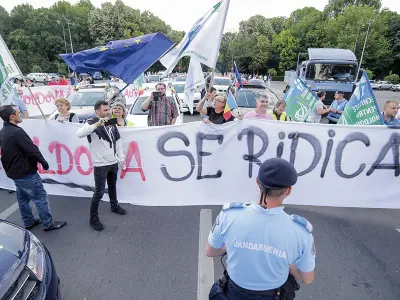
(327, 69)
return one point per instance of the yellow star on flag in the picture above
(138, 41)
(104, 48)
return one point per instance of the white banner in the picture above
(203, 164)
(8, 70)
(47, 95)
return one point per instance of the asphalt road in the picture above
(153, 252)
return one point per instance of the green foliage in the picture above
(393, 78)
(61, 68)
(36, 69)
(369, 73)
(272, 72)
(36, 37)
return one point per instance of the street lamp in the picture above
(65, 42)
(362, 53)
(69, 31)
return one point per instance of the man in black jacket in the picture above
(20, 157)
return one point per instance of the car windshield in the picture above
(154, 78)
(179, 88)
(222, 81)
(137, 106)
(246, 99)
(256, 82)
(336, 72)
(85, 99)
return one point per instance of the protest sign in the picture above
(345, 166)
(362, 108)
(300, 101)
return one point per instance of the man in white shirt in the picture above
(319, 109)
(106, 148)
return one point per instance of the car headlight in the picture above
(36, 259)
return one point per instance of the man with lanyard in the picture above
(261, 109)
(162, 110)
(337, 108)
(390, 110)
(262, 242)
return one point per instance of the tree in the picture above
(337, 7)
(36, 69)
(287, 46)
(277, 23)
(393, 78)
(370, 74)
(272, 72)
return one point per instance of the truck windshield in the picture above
(335, 72)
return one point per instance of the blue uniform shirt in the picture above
(339, 106)
(261, 244)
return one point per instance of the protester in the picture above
(162, 110)
(17, 98)
(64, 114)
(390, 110)
(337, 107)
(262, 242)
(90, 80)
(261, 109)
(106, 148)
(278, 113)
(119, 112)
(20, 157)
(209, 97)
(63, 81)
(52, 81)
(215, 115)
(319, 109)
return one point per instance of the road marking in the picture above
(205, 275)
(5, 214)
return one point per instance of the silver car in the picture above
(395, 88)
(382, 85)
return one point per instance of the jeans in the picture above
(31, 188)
(232, 293)
(102, 175)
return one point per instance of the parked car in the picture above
(84, 98)
(395, 87)
(246, 98)
(139, 117)
(55, 75)
(97, 76)
(258, 82)
(382, 85)
(179, 88)
(38, 77)
(222, 84)
(27, 271)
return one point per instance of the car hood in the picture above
(13, 254)
(196, 95)
(83, 112)
(138, 120)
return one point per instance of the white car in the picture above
(222, 84)
(38, 77)
(382, 85)
(395, 88)
(179, 88)
(153, 80)
(139, 117)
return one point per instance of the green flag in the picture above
(362, 108)
(300, 101)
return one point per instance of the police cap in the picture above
(276, 174)
(339, 92)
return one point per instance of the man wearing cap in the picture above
(262, 242)
(337, 107)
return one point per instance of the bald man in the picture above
(390, 110)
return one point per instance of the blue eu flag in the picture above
(125, 59)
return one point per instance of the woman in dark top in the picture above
(215, 115)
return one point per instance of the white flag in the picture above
(202, 41)
(194, 82)
(8, 70)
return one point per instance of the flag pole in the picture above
(222, 31)
(23, 78)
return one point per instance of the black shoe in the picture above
(96, 224)
(35, 222)
(55, 225)
(119, 210)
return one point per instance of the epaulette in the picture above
(230, 205)
(303, 222)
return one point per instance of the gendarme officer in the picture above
(263, 243)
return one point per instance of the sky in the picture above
(182, 14)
